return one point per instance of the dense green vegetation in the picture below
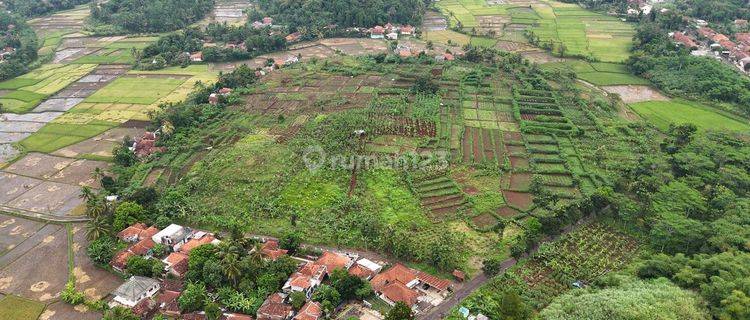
(313, 17)
(174, 48)
(627, 299)
(34, 8)
(119, 16)
(16, 34)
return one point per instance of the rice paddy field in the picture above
(582, 33)
(598, 73)
(23, 93)
(662, 113)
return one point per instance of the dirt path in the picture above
(442, 310)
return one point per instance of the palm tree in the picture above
(87, 194)
(96, 228)
(231, 265)
(96, 208)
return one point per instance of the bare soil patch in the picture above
(520, 200)
(634, 94)
(507, 212)
(40, 272)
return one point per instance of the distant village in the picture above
(147, 297)
(701, 40)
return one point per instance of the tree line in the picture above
(17, 35)
(135, 16)
(35, 8)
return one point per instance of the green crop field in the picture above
(662, 113)
(136, 90)
(15, 308)
(582, 32)
(598, 73)
(33, 87)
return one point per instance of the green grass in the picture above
(612, 79)
(598, 73)
(584, 33)
(662, 113)
(135, 90)
(396, 204)
(109, 56)
(18, 83)
(55, 136)
(16, 106)
(15, 308)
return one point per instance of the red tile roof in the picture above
(311, 269)
(433, 281)
(274, 308)
(685, 40)
(311, 311)
(271, 250)
(120, 260)
(194, 243)
(361, 272)
(398, 292)
(398, 273)
(142, 247)
(238, 316)
(333, 261)
(176, 257)
(131, 232)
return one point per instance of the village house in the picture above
(120, 260)
(365, 269)
(407, 30)
(333, 261)
(740, 23)
(267, 21)
(310, 311)
(392, 36)
(145, 146)
(271, 250)
(135, 290)
(416, 289)
(173, 236)
(137, 232)
(684, 40)
(196, 239)
(225, 91)
(196, 56)
(293, 37)
(213, 99)
(176, 263)
(377, 32)
(306, 279)
(167, 299)
(275, 308)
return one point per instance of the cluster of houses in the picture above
(147, 296)
(7, 51)
(705, 40)
(146, 145)
(390, 31)
(417, 289)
